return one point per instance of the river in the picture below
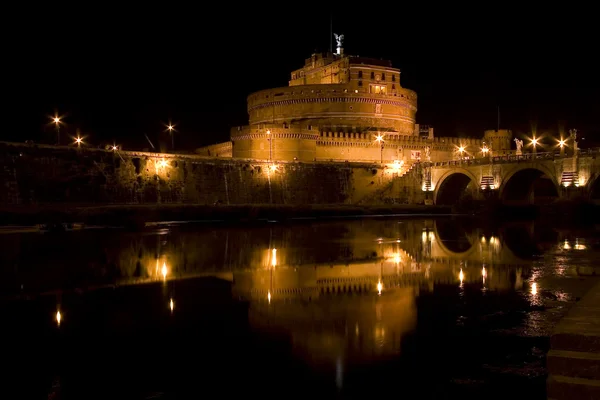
(416, 308)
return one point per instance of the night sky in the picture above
(117, 74)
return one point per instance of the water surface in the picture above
(347, 309)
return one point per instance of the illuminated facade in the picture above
(342, 108)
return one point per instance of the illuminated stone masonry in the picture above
(345, 108)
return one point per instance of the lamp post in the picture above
(381, 142)
(484, 150)
(562, 143)
(270, 145)
(56, 121)
(534, 143)
(171, 130)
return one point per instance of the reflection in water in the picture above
(342, 292)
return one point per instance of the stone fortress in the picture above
(340, 107)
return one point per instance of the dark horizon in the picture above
(119, 78)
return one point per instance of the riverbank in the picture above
(139, 215)
(574, 358)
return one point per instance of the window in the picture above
(393, 78)
(378, 89)
(359, 83)
(393, 86)
(372, 75)
(383, 76)
(360, 74)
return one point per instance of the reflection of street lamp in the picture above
(380, 140)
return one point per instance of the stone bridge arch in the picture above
(453, 184)
(521, 182)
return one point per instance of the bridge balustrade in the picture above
(511, 158)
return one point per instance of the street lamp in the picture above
(171, 129)
(534, 143)
(461, 151)
(270, 145)
(78, 141)
(56, 121)
(484, 150)
(562, 143)
(380, 140)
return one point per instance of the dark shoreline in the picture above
(136, 216)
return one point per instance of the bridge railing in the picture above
(511, 158)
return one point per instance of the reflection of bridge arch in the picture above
(520, 184)
(452, 240)
(452, 185)
(594, 188)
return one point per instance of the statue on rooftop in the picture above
(338, 40)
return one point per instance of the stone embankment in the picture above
(574, 358)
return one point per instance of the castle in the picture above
(345, 108)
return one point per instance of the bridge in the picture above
(532, 178)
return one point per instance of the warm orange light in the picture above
(268, 132)
(379, 138)
(78, 140)
(163, 163)
(274, 258)
(164, 270)
(461, 149)
(379, 287)
(170, 127)
(115, 148)
(56, 120)
(484, 150)
(561, 143)
(273, 167)
(58, 318)
(534, 141)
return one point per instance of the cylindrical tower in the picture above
(332, 93)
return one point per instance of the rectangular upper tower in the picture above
(322, 68)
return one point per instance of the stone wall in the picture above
(216, 150)
(63, 175)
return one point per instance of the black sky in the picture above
(118, 73)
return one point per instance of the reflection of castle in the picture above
(344, 108)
